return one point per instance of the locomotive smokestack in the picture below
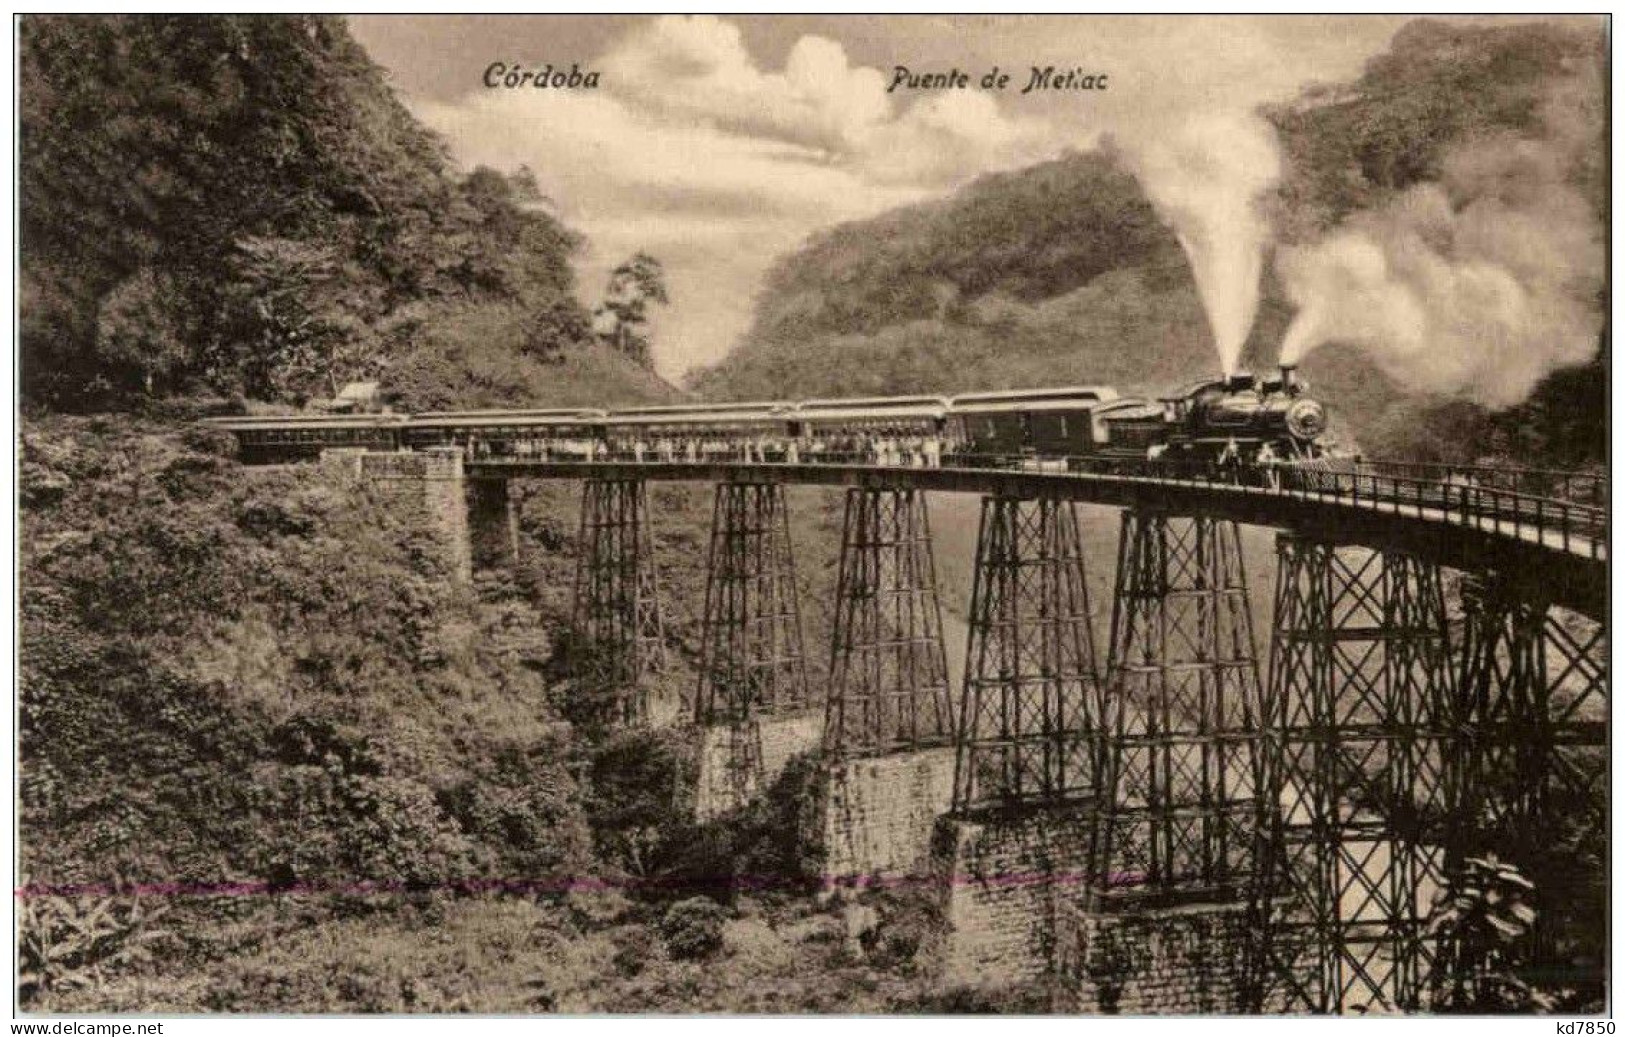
(1289, 377)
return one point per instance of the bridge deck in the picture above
(1558, 548)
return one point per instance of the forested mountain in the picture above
(1063, 273)
(1350, 146)
(239, 204)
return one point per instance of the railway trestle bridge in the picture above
(1180, 814)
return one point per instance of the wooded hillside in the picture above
(240, 205)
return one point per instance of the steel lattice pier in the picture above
(617, 616)
(1180, 762)
(1534, 683)
(1537, 687)
(752, 661)
(888, 669)
(1030, 676)
(1363, 719)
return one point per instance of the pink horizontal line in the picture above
(586, 884)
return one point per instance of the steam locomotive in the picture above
(1237, 423)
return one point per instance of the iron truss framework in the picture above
(1025, 730)
(1534, 683)
(752, 662)
(888, 669)
(1180, 764)
(617, 616)
(1363, 717)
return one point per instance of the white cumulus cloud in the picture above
(694, 153)
(696, 66)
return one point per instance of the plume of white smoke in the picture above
(1478, 285)
(1206, 179)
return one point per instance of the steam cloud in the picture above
(1206, 179)
(1478, 285)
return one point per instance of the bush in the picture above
(65, 943)
(908, 918)
(632, 950)
(1484, 921)
(520, 803)
(1022, 999)
(635, 804)
(693, 928)
(775, 830)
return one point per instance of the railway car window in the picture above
(1063, 426)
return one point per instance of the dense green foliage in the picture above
(253, 676)
(257, 676)
(1349, 147)
(693, 928)
(474, 354)
(240, 203)
(1061, 273)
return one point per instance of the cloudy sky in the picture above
(718, 143)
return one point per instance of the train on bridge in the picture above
(1238, 422)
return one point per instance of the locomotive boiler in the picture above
(1233, 420)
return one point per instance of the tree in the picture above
(136, 328)
(1483, 922)
(633, 286)
(288, 302)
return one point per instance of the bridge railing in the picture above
(1576, 528)
(1589, 488)
(1553, 507)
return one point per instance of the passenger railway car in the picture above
(1130, 428)
(508, 433)
(844, 425)
(285, 438)
(1029, 422)
(701, 432)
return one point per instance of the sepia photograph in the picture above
(811, 515)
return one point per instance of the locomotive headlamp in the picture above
(1306, 419)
